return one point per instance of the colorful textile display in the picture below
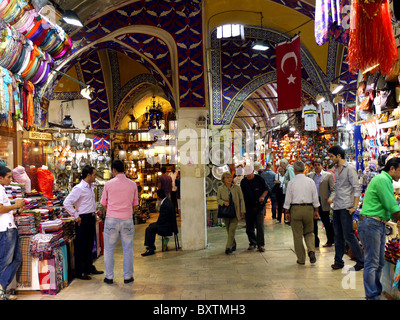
(42, 245)
(392, 251)
(47, 276)
(45, 182)
(26, 224)
(24, 273)
(372, 39)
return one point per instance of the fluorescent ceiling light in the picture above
(336, 88)
(260, 45)
(87, 93)
(72, 18)
(320, 99)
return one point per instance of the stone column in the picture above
(191, 143)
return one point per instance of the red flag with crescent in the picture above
(288, 74)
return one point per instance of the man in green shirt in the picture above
(379, 207)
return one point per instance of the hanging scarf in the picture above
(3, 104)
(330, 21)
(372, 39)
(29, 88)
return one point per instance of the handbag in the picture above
(227, 211)
(366, 104)
(277, 188)
(372, 81)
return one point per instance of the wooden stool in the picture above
(165, 239)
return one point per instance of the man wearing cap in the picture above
(254, 191)
(165, 225)
(301, 207)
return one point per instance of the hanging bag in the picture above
(372, 81)
(227, 211)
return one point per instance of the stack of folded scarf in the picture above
(26, 224)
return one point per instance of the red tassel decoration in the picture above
(372, 39)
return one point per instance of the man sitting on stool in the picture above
(165, 225)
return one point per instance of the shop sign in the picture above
(34, 135)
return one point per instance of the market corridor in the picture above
(210, 274)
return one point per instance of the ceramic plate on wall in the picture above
(217, 171)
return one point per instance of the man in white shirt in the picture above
(301, 207)
(82, 197)
(10, 252)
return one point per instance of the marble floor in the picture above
(210, 274)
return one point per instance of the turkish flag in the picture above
(288, 74)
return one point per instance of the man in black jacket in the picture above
(165, 225)
(254, 191)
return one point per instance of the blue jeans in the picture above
(113, 228)
(343, 226)
(10, 256)
(373, 238)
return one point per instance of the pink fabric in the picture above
(19, 176)
(120, 195)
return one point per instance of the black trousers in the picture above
(280, 200)
(150, 236)
(84, 243)
(255, 221)
(330, 233)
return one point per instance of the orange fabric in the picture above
(34, 29)
(34, 54)
(29, 103)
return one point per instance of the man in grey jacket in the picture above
(326, 193)
(346, 200)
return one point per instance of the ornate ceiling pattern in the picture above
(166, 38)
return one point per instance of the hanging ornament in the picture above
(372, 43)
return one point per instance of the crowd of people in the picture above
(306, 199)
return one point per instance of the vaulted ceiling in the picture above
(130, 50)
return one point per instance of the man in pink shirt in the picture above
(119, 198)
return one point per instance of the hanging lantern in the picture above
(132, 124)
(87, 144)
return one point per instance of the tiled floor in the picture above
(210, 274)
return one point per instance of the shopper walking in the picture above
(164, 226)
(379, 206)
(165, 182)
(278, 189)
(345, 203)
(120, 197)
(301, 208)
(81, 205)
(254, 191)
(224, 191)
(10, 251)
(326, 193)
(269, 177)
(289, 175)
